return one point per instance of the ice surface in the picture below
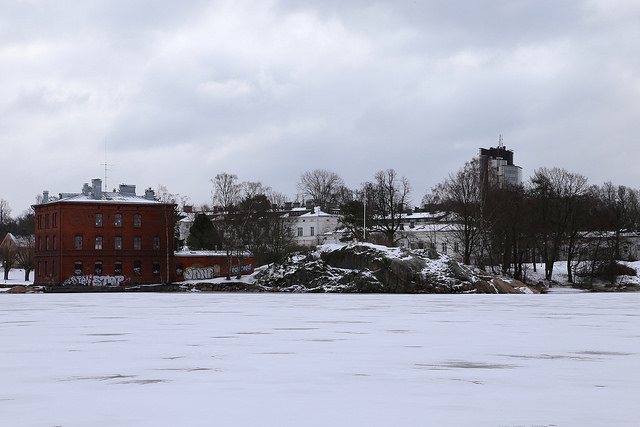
(149, 359)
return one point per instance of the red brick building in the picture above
(97, 238)
(111, 239)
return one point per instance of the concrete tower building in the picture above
(496, 165)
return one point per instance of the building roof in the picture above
(17, 241)
(93, 194)
(316, 212)
(107, 197)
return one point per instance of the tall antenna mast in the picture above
(106, 167)
(500, 144)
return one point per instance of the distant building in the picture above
(17, 243)
(496, 166)
(437, 231)
(315, 227)
(101, 238)
(108, 239)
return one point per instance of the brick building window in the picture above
(137, 243)
(137, 268)
(98, 267)
(98, 220)
(78, 242)
(117, 267)
(77, 268)
(99, 242)
(156, 267)
(156, 243)
(118, 220)
(137, 220)
(117, 243)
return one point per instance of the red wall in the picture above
(57, 264)
(202, 265)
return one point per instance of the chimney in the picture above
(45, 196)
(129, 190)
(149, 194)
(86, 190)
(96, 187)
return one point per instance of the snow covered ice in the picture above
(144, 359)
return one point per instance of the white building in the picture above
(314, 228)
(430, 230)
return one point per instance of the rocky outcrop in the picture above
(377, 269)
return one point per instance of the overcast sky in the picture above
(180, 91)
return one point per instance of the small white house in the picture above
(314, 228)
(430, 230)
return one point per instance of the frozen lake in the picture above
(319, 360)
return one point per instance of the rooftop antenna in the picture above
(500, 144)
(106, 167)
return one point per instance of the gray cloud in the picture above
(179, 92)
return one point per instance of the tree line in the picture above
(555, 215)
(22, 226)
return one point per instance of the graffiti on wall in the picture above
(200, 273)
(234, 269)
(91, 280)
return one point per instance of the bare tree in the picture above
(462, 194)
(322, 186)
(226, 190)
(557, 193)
(276, 198)
(617, 211)
(8, 256)
(25, 256)
(5, 217)
(250, 189)
(389, 196)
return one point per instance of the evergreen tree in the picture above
(203, 234)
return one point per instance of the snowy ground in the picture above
(151, 359)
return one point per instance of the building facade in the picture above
(496, 164)
(315, 227)
(96, 238)
(204, 265)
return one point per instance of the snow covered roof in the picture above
(199, 253)
(18, 241)
(316, 212)
(107, 197)
(93, 193)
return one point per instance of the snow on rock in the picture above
(372, 268)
